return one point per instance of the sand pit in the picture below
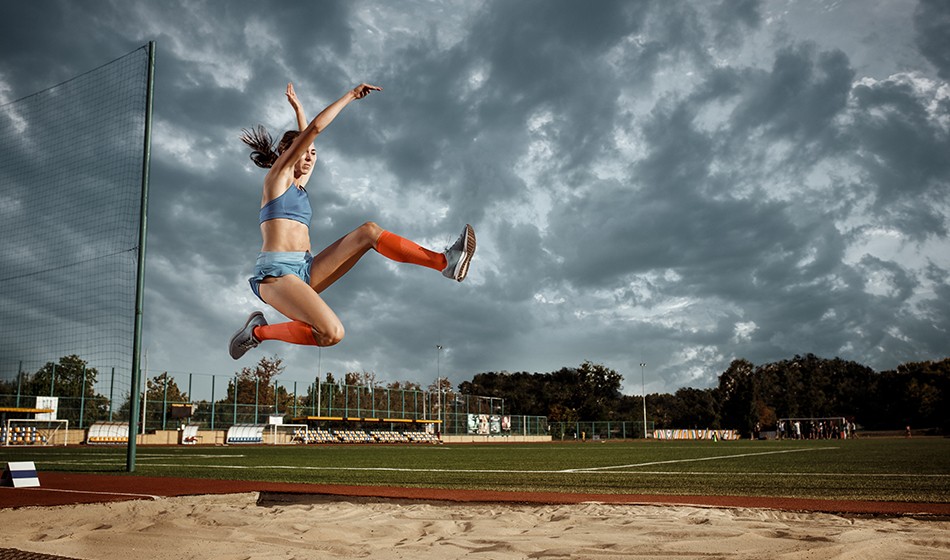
(250, 526)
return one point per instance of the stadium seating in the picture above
(383, 436)
(254, 433)
(354, 436)
(245, 433)
(422, 437)
(323, 436)
(108, 433)
(21, 435)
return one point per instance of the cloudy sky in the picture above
(674, 183)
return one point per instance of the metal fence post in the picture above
(257, 398)
(19, 383)
(212, 402)
(111, 394)
(82, 398)
(165, 404)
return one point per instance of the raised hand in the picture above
(363, 90)
(292, 97)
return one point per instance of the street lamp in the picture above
(438, 362)
(643, 388)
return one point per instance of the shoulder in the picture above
(276, 184)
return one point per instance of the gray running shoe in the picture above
(459, 256)
(244, 340)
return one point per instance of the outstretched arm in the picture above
(327, 115)
(298, 108)
(302, 143)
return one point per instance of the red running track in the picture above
(57, 488)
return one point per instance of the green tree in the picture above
(737, 397)
(599, 391)
(695, 408)
(256, 386)
(162, 392)
(915, 394)
(563, 420)
(74, 383)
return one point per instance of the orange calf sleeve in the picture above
(400, 249)
(294, 332)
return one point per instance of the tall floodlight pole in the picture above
(438, 378)
(643, 389)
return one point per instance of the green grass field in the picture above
(890, 469)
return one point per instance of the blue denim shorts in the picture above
(278, 264)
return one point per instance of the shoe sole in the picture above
(468, 251)
(237, 334)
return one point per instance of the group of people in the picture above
(815, 429)
(287, 276)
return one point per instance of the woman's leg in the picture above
(314, 323)
(337, 259)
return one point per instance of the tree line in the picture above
(747, 395)
(915, 394)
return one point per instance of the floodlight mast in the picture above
(438, 380)
(643, 389)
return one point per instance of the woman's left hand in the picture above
(363, 90)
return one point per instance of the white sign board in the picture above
(21, 474)
(47, 402)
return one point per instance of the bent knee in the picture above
(371, 230)
(328, 336)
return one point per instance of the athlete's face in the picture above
(307, 160)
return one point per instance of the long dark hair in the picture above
(264, 153)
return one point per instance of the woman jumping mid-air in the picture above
(287, 277)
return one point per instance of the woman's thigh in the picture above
(295, 299)
(336, 260)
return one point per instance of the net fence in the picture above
(70, 194)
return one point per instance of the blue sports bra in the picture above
(294, 204)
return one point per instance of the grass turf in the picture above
(889, 469)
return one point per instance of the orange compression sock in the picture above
(400, 249)
(294, 332)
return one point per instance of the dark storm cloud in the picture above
(679, 183)
(799, 98)
(932, 23)
(903, 152)
(734, 18)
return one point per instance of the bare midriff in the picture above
(282, 235)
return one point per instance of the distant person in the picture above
(287, 277)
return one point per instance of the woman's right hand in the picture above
(292, 97)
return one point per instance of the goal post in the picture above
(31, 431)
(288, 434)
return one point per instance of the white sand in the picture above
(236, 527)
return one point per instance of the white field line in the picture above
(41, 489)
(98, 459)
(712, 458)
